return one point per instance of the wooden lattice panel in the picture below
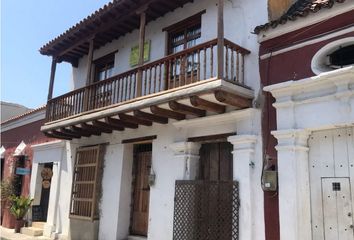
(206, 210)
(86, 183)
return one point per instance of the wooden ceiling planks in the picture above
(199, 107)
(107, 24)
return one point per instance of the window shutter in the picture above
(86, 186)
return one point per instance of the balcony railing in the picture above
(183, 68)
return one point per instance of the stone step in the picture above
(136, 238)
(32, 231)
(38, 225)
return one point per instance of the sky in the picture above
(26, 25)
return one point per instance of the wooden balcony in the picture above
(158, 86)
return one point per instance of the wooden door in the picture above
(141, 192)
(337, 209)
(216, 168)
(46, 175)
(216, 161)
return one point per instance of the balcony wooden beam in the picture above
(220, 22)
(150, 117)
(80, 131)
(207, 105)
(167, 113)
(61, 134)
(107, 126)
(232, 99)
(132, 119)
(90, 129)
(184, 109)
(52, 76)
(70, 133)
(53, 135)
(120, 123)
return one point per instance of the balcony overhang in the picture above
(200, 99)
(110, 22)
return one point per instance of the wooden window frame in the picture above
(90, 212)
(181, 26)
(103, 64)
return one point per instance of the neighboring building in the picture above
(306, 66)
(18, 136)
(9, 110)
(163, 126)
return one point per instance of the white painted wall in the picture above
(115, 202)
(240, 17)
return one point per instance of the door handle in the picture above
(349, 214)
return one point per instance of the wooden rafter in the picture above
(167, 113)
(232, 99)
(184, 109)
(132, 119)
(207, 105)
(150, 117)
(120, 123)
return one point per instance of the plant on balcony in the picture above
(19, 208)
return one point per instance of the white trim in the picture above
(345, 74)
(48, 145)
(302, 22)
(318, 63)
(34, 117)
(220, 119)
(306, 43)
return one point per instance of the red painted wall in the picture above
(10, 139)
(291, 65)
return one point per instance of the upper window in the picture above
(337, 54)
(184, 34)
(344, 56)
(104, 67)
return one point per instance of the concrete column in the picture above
(189, 153)
(243, 161)
(49, 226)
(294, 187)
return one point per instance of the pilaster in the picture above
(294, 186)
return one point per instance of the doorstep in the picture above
(9, 234)
(136, 238)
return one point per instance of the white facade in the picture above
(173, 157)
(315, 119)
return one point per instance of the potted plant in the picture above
(19, 208)
(6, 190)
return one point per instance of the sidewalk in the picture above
(9, 234)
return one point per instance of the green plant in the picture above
(7, 189)
(20, 206)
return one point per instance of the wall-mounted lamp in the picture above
(152, 177)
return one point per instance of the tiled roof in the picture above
(24, 114)
(300, 8)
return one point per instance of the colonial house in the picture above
(306, 67)
(19, 134)
(162, 129)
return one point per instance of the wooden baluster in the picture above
(227, 62)
(242, 68)
(160, 80)
(180, 70)
(130, 86)
(175, 72)
(185, 69)
(211, 61)
(126, 88)
(232, 65)
(192, 70)
(205, 63)
(237, 67)
(198, 66)
(155, 78)
(150, 79)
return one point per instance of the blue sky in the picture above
(26, 25)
